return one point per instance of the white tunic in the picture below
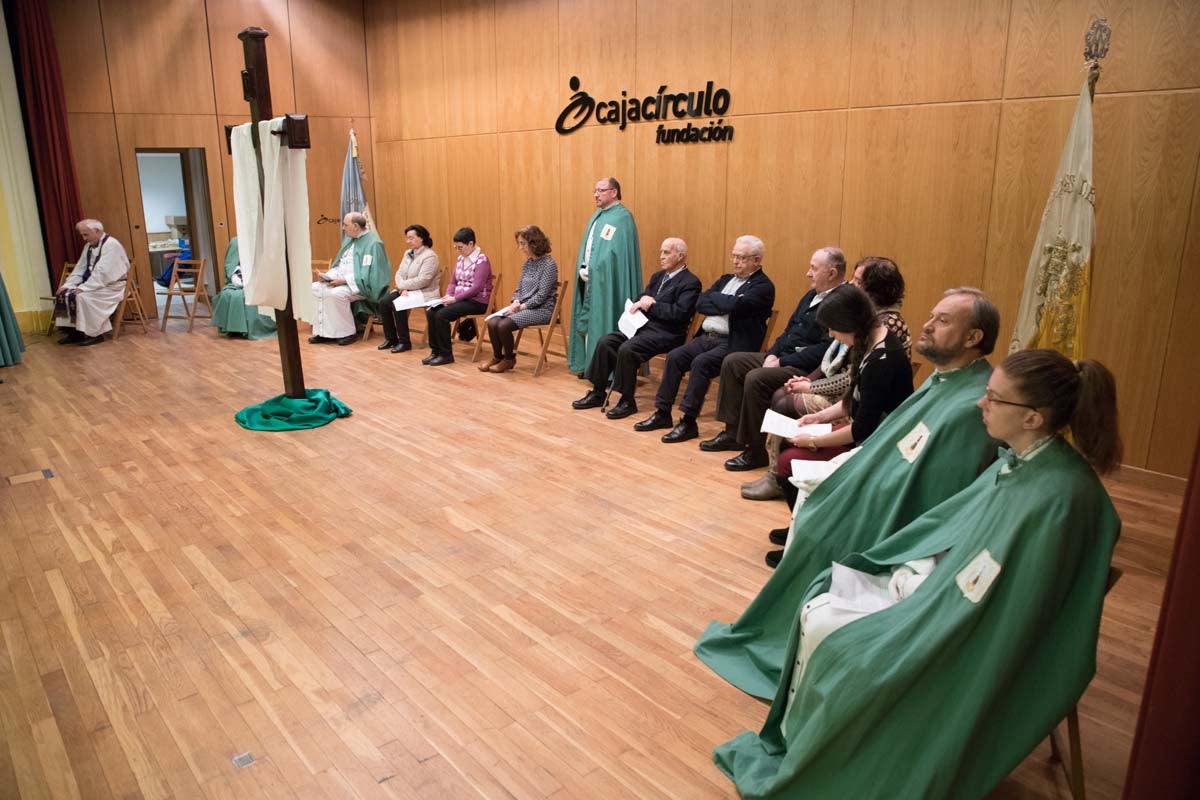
(333, 318)
(99, 295)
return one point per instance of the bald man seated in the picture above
(668, 305)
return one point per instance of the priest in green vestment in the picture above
(609, 268)
(929, 448)
(231, 315)
(939, 687)
(359, 275)
(12, 344)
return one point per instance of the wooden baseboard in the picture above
(1148, 479)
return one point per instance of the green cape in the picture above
(372, 279)
(230, 313)
(11, 342)
(614, 276)
(874, 494)
(938, 696)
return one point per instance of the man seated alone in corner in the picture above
(668, 304)
(91, 294)
(360, 272)
(737, 308)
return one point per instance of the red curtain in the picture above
(1166, 746)
(36, 57)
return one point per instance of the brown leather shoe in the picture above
(487, 365)
(765, 488)
(504, 366)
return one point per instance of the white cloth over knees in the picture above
(270, 226)
(98, 297)
(333, 317)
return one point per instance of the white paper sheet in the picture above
(413, 299)
(778, 424)
(629, 324)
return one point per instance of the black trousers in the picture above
(746, 390)
(702, 356)
(438, 319)
(395, 323)
(620, 356)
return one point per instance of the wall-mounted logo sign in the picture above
(661, 106)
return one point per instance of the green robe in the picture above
(873, 495)
(372, 278)
(940, 696)
(11, 342)
(230, 312)
(614, 276)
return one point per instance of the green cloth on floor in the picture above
(230, 312)
(11, 343)
(282, 413)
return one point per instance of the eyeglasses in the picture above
(991, 399)
(740, 258)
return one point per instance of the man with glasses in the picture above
(736, 308)
(609, 273)
(930, 448)
(748, 380)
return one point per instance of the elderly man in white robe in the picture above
(85, 304)
(360, 272)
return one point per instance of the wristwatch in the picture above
(812, 444)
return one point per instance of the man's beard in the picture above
(938, 355)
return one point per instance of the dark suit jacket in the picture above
(748, 308)
(674, 306)
(803, 342)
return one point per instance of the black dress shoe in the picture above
(747, 460)
(429, 358)
(73, 337)
(345, 340)
(624, 408)
(90, 340)
(317, 340)
(657, 421)
(773, 558)
(684, 431)
(401, 347)
(593, 399)
(388, 344)
(441, 361)
(722, 441)
(778, 536)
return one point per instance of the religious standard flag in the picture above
(1053, 308)
(353, 196)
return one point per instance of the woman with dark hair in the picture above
(419, 271)
(880, 379)
(532, 303)
(931, 664)
(468, 293)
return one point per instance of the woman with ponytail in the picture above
(932, 664)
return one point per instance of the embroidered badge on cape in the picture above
(607, 232)
(912, 444)
(977, 577)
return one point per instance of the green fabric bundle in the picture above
(11, 343)
(283, 413)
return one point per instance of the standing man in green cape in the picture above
(940, 689)
(610, 272)
(231, 315)
(359, 275)
(925, 451)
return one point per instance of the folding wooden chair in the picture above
(555, 322)
(1073, 770)
(68, 268)
(130, 308)
(480, 325)
(187, 280)
(374, 319)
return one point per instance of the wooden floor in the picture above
(466, 589)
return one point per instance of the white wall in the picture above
(161, 176)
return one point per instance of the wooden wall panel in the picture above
(528, 81)
(918, 188)
(418, 58)
(1145, 173)
(531, 195)
(796, 205)
(326, 160)
(472, 188)
(1176, 424)
(922, 51)
(667, 34)
(425, 196)
(330, 62)
(596, 43)
(227, 171)
(682, 193)
(585, 156)
(228, 18)
(77, 30)
(98, 168)
(137, 131)
(1155, 45)
(158, 57)
(768, 35)
(387, 81)
(389, 209)
(1031, 140)
(469, 55)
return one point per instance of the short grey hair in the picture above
(91, 224)
(676, 244)
(835, 258)
(984, 316)
(358, 218)
(757, 248)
